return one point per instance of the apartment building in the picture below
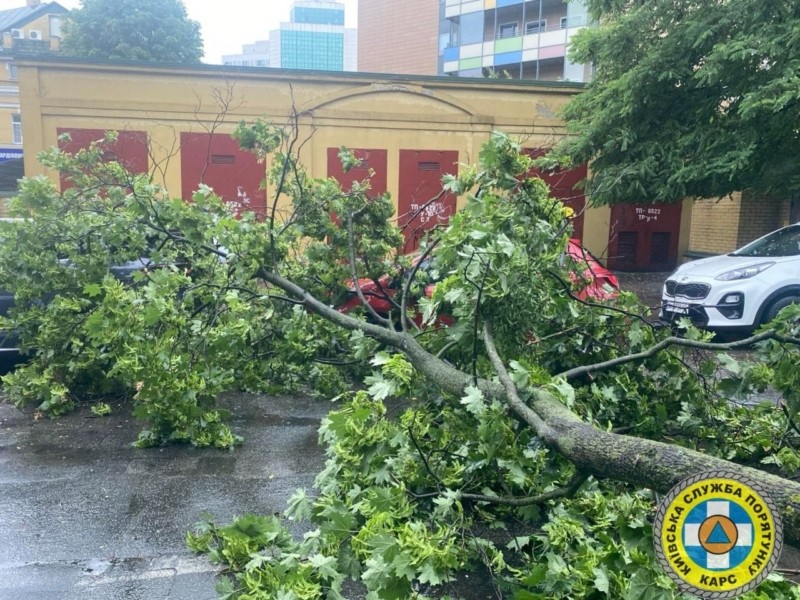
(33, 28)
(513, 38)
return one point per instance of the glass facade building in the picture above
(521, 39)
(312, 50)
(314, 38)
(318, 15)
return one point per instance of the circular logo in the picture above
(717, 534)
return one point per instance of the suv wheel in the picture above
(776, 307)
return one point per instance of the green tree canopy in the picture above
(144, 30)
(689, 99)
(522, 445)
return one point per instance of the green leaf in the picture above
(298, 508)
(643, 587)
(429, 574)
(325, 565)
(473, 401)
(601, 582)
(555, 564)
(380, 388)
(92, 289)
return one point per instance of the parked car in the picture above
(124, 272)
(600, 283)
(738, 291)
(9, 342)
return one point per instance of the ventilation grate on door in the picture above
(626, 247)
(659, 247)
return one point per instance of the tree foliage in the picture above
(689, 99)
(136, 30)
(528, 441)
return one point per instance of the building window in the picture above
(471, 29)
(535, 26)
(16, 128)
(55, 26)
(507, 30)
(563, 22)
(12, 71)
(455, 33)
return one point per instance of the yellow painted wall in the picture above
(595, 231)
(355, 110)
(9, 98)
(340, 109)
(687, 219)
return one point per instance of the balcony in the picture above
(498, 47)
(27, 46)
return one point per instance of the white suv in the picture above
(738, 291)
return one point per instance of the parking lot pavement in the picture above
(84, 515)
(647, 287)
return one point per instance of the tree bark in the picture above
(645, 463)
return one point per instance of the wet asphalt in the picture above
(647, 286)
(84, 515)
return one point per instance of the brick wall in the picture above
(723, 225)
(715, 225)
(398, 37)
(759, 216)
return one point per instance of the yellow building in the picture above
(33, 28)
(176, 122)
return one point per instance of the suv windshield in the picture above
(784, 242)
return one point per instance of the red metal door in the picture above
(217, 161)
(371, 160)
(421, 204)
(130, 149)
(644, 237)
(562, 184)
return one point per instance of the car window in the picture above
(784, 242)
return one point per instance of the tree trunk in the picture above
(644, 463)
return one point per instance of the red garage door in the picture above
(130, 149)
(563, 186)
(373, 162)
(217, 161)
(421, 203)
(644, 237)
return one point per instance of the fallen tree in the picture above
(551, 420)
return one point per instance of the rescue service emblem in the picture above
(717, 534)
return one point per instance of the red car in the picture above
(601, 284)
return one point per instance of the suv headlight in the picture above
(744, 272)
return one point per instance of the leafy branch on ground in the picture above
(491, 445)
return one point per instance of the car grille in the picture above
(697, 315)
(695, 291)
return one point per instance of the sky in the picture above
(228, 24)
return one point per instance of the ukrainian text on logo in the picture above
(717, 534)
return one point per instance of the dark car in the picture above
(124, 272)
(9, 342)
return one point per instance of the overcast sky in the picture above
(227, 24)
